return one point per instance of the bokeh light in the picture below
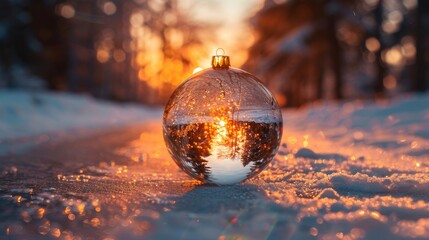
(67, 10)
(109, 8)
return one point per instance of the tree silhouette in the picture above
(421, 77)
(329, 49)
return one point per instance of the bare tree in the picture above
(380, 65)
(420, 83)
(299, 45)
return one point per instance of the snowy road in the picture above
(350, 171)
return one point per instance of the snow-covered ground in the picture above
(30, 118)
(354, 170)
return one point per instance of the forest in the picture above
(140, 51)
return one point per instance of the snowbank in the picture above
(29, 118)
(26, 114)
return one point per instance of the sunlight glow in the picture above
(197, 69)
(162, 54)
(222, 123)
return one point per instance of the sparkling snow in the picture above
(354, 170)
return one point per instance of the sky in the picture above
(234, 34)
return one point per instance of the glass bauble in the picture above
(222, 126)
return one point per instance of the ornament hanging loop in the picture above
(220, 61)
(220, 49)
